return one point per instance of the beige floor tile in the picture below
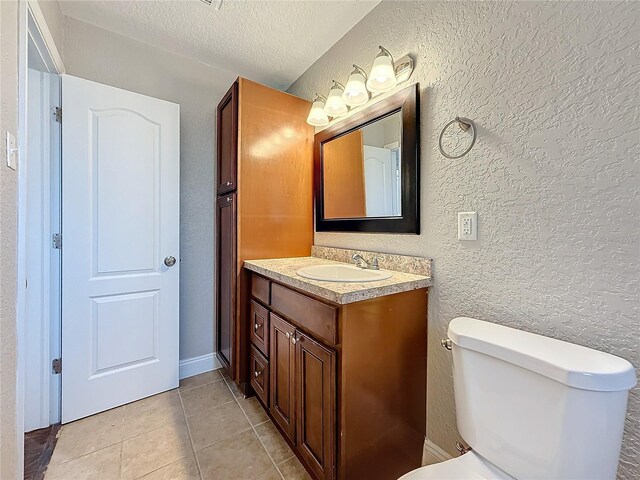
(273, 442)
(100, 465)
(240, 457)
(151, 413)
(150, 451)
(217, 424)
(253, 409)
(293, 470)
(183, 469)
(205, 397)
(271, 474)
(234, 388)
(88, 435)
(202, 379)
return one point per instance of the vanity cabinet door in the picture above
(259, 375)
(316, 400)
(259, 317)
(226, 281)
(282, 363)
(227, 138)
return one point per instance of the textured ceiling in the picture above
(272, 42)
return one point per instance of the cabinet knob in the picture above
(294, 340)
(257, 374)
(228, 184)
(228, 199)
(256, 326)
(288, 335)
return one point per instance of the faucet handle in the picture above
(374, 264)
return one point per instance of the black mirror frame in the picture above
(406, 101)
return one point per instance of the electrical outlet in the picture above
(467, 226)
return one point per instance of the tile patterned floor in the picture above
(204, 430)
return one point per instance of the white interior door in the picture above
(120, 229)
(378, 179)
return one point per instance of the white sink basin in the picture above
(342, 273)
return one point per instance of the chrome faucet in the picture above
(362, 263)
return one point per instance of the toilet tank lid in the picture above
(565, 362)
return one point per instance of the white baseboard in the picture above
(197, 365)
(433, 454)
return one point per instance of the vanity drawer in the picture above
(260, 288)
(259, 318)
(259, 375)
(318, 318)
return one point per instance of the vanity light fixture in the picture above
(335, 106)
(355, 92)
(383, 76)
(317, 116)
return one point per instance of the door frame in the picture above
(32, 29)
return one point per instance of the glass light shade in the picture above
(335, 105)
(355, 92)
(383, 76)
(317, 116)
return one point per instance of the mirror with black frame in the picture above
(367, 176)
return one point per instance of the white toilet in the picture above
(533, 407)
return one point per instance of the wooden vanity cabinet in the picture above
(347, 383)
(256, 217)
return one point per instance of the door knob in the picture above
(170, 261)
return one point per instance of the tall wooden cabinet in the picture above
(265, 202)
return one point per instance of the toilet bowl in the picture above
(469, 466)
(519, 396)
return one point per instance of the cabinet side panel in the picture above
(276, 174)
(383, 386)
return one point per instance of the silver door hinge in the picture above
(56, 241)
(56, 366)
(57, 114)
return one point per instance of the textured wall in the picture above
(8, 239)
(553, 88)
(119, 61)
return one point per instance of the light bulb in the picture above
(317, 116)
(355, 92)
(335, 105)
(383, 76)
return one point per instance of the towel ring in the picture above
(465, 124)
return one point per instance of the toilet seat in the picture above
(469, 466)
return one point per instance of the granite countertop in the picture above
(283, 270)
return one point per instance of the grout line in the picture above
(124, 416)
(201, 385)
(193, 450)
(121, 449)
(253, 427)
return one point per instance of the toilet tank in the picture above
(536, 407)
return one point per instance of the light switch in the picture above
(467, 226)
(12, 152)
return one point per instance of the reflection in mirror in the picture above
(362, 171)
